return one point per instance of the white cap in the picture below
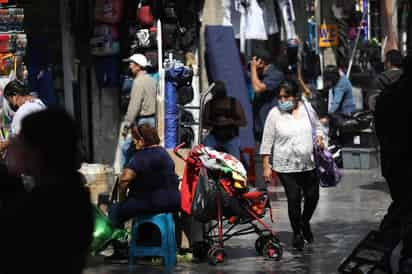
(139, 59)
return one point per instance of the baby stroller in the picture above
(214, 191)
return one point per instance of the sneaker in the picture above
(298, 242)
(307, 233)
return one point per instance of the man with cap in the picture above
(142, 104)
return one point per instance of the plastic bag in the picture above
(104, 232)
(204, 205)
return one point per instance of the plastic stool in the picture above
(167, 249)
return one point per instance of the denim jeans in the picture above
(128, 140)
(231, 146)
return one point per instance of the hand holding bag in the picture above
(326, 167)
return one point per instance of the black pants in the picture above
(295, 184)
(397, 223)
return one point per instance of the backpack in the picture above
(169, 13)
(170, 32)
(187, 38)
(185, 94)
(105, 41)
(152, 58)
(145, 39)
(145, 16)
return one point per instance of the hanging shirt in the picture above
(259, 19)
(288, 14)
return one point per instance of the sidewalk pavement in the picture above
(345, 214)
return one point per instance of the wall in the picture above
(212, 15)
(105, 122)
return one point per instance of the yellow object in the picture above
(237, 177)
(328, 36)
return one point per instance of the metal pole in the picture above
(202, 102)
(161, 94)
(67, 53)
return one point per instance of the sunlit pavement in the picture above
(344, 215)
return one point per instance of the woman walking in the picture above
(287, 137)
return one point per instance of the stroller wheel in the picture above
(273, 250)
(262, 240)
(216, 255)
(260, 243)
(200, 250)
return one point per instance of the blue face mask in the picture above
(286, 106)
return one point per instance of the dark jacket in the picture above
(392, 122)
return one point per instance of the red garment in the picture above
(188, 187)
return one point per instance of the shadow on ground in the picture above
(378, 186)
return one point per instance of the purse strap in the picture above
(311, 121)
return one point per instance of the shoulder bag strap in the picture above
(311, 120)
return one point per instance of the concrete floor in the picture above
(344, 215)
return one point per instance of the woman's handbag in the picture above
(326, 167)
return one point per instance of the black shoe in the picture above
(307, 233)
(120, 254)
(298, 242)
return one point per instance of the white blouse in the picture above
(289, 139)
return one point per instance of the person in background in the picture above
(23, 104)
(340, 91)
(287, 137)
(142, 105)
(265, 77)
(56, 214)
(223, 115)
(392, 125)
(147, 185)
(340, 100)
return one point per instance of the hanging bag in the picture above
(144, 15)
(326, 168)
(204, 201)
(109, 11)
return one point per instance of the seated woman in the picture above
(148, 183)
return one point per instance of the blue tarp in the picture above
(223, 63)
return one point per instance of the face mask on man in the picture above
(286, 106)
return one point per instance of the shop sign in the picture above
(328, 36)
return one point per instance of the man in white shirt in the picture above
(23, 104)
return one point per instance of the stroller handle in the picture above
(177, 153)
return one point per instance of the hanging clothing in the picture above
(256, 21)
(288, 14)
